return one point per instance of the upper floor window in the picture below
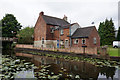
(61, 31)
(76, 41)
(56, 27)
(51, 30)
(94, 40)
(83, 41)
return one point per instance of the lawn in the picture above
(113, 51)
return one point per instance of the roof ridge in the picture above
(88, 27)
(54, 17)
(83, 32)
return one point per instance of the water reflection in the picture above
(83, 69)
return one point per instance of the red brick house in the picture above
(55, 32)
(50, 31)
(87, 36)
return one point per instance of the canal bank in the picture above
(49, 65)
(93, 59)
(63, 68)
(69, 53)
(76, 50)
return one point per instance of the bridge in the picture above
(6, 44)
(6, 39)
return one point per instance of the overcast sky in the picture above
(84, 12)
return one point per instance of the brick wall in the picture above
(88, 41)
(24, 46)
(65, 34)
(80, 42)
(49, 35)
(88, 50)
(56, 35)
(40, 29)
(93, 34)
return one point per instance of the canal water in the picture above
(69, 69)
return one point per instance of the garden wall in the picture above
(88, 50)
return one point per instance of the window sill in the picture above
(75, 43)
(61, 34)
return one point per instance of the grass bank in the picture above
(113, 51)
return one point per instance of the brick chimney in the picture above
(65, 18)
(41, 13)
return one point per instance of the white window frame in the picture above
(56, 27)
(94, 40)
(52, 31)
(76, 41)
(61, 32)
(43, 40)
(84, 41)
(62, 42)
(66, 41)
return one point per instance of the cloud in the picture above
(82, 11)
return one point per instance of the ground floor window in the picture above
(83, 41)
(76, 41)
(66, 42)
(94, 40)
(61, 42)
(42, 40)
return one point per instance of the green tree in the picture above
(10, 26)
(118, 34)
(107, 32)
(0, 28)
(25, 36)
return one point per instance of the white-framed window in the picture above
(66, 42)
(76, 41)
(56, 27)
(42, 40)
(94, 40)
(52, 31)
(83, 41)
(61, 32)
(61, 42)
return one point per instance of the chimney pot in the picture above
(41, 13)
(65, 17)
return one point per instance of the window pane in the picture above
(83, 41)
(42, 40)
(94, 40)
(76, 41)
(61, 31)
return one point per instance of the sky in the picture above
(84, 12)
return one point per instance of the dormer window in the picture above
(56, 27)
(51, 30)
(61, 32)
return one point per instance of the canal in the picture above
(52, 68)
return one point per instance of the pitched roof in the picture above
(82, 32)
(55, 21)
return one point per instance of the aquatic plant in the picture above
(94, 61)
(12, 66)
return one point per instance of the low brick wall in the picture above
(88, 50)
(24, 46)
(25, 55)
